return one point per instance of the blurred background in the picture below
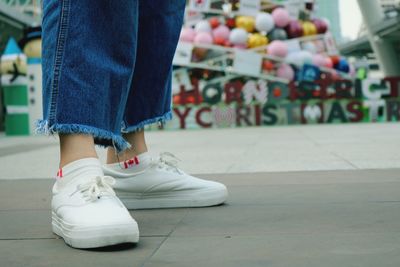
(243, 63)
(273, 77)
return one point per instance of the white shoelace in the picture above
(167, 161)
(97, 187)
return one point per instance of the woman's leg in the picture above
(138, 146)
(74, 147)
(149, 99)
(88, 57)
(89, 50)
(142, 181)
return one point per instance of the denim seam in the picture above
(120, 118)
(118, 142)
(64, 20)
(139, 126)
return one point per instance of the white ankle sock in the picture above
(81, 169)
(136, 164)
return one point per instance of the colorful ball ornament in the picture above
(203, 38)
(214, 22)
(245, 22)
(277, 34)
(230, 22)
(285, 71)
(238, 36)
(321, 25)
(319, 60)
(309, 28)
(187, 35)
(264, 22)
(278, 48)
(335, 60)
(202, 26)
(294, 29)
(267, 65)
(306, 57)
(221, 32)
(343, 66)
(256, 40)
(299, 58)
(328, 63)
(294, 58)
(281, 17)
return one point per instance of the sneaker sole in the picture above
(177, 199)
(94, 237)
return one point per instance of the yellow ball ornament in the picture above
(256, 40)
(246, 22)
(309, 28)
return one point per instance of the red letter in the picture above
(198, 117)
(182, 117)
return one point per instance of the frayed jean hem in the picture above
(160, 119)
(101, 137)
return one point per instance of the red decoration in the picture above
(335, 60)
(230, 22)
(214, 22)
(268, 65)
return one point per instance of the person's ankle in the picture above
(128, 154)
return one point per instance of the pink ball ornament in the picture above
(278, 48)
(203, 38)
(281, 17)
(319, 60)
(221, 32)
(328, 63)
(187, 35)
(286, 72)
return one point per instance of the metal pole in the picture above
(384, 50)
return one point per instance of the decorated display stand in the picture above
(253, 63)
(13, 83)
(21, 83)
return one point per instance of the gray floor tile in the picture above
(25, 224)
(158, 222)
(25, 194)
(28, 224)
(53, 252)
(281, 250)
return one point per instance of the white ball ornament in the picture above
(238, 36)
(306, 57)
(264, 22)
(202, 26)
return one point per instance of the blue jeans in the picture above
(107, 66)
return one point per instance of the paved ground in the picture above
(262, 149)
(299, 196)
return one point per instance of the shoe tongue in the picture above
(80, 170)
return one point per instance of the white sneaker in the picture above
(87, 214)
(146, 183)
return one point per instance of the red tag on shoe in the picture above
(59, 173)
(131, 162)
